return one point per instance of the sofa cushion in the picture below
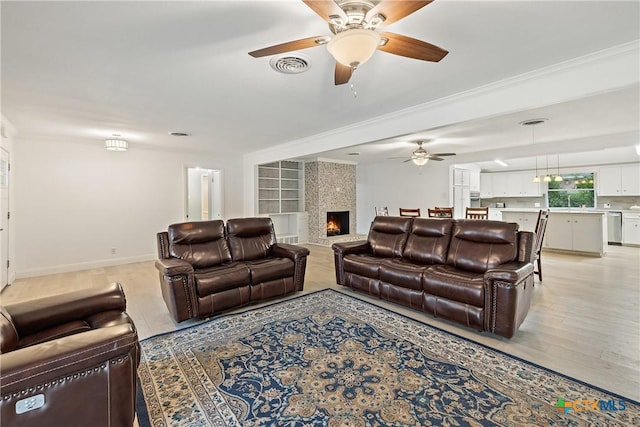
(264, 270)
(428, 241)
(363, 265)
(457, 285)
(250, 238)
(402, 273)
(478, 245)
(388, 235)
(201, 244)
(221, 278)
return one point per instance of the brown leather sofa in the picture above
(69, 360)
(206, 268)
(475, 272)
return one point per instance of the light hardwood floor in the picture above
(584, 321)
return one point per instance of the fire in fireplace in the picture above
(337, 223)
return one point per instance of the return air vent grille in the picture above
(290, 64)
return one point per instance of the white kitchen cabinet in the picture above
(525, 220)
(583, 238)
(630, 180)
(619, 180)
(474, 181)
(581, 232)
(486, 185)
(499, 185)
(631, 228)
(495, 214)
(461, 177)
(509, 184)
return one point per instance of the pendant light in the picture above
(533, 123)
(547, 177)
(558, 178)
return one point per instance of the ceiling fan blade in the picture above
(326, 8)
(408, 160)
(443, 154)
(288, 46)
(437, 159)
(342, 73)
(411, 48)
(396, 10)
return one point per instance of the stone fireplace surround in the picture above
(329, 186)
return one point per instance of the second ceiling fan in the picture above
(420, 156)
(354, 24)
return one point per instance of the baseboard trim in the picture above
(68, 268)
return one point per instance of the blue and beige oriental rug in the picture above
(328, 359)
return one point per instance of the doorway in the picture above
(4, 218)
(204, 194)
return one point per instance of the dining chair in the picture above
(437, 212)
(382, 211)
(541, 227)
(477, 213)
(410, 212)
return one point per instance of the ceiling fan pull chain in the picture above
(353, 90)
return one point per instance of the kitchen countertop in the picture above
(568, 210)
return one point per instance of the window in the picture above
(574, 191)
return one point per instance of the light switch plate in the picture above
(536, 205)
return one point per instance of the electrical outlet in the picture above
(113, 251)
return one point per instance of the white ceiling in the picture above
(86, 70)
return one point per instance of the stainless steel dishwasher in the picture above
(614, 228)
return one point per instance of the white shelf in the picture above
(282, 198)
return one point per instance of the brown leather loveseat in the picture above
(206, 268)
(69, 360)
(475, 272)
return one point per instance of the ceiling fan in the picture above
(354, 24)
(421, 156)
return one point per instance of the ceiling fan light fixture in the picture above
(353, 47)
(420, 161)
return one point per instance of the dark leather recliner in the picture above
(69, 360)
(475, 272)
(206, 268)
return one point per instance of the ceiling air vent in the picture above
(290, 64)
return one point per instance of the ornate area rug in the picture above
(328, 359)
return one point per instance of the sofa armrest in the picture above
(173, 266)
(293, 252)
(346, 248)
(32, 316)
(177, 285)
(340, 250)
(512, 272)
(508, 293)
(35, 365)
(298, 255)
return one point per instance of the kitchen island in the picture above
(569, 230)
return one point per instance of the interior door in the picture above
(204, 194)
(4, 218)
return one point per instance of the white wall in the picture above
(76, 201)
(399, 185)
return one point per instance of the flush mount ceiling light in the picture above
(116, 144)
(353, 47)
